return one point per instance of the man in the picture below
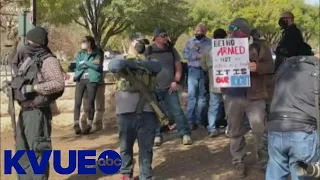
(292, 122)
(270, 87)
(38, 81)
(291, 43)
(193, 52)
(168, 81)
(215, 109)
(249, 101)
(136, 119)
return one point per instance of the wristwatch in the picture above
(178, 82)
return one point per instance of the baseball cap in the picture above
(157, 32)
(241, 23)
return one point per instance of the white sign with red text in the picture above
(231, 62)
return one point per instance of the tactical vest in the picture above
(28, 75)
(142, 74)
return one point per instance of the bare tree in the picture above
(98, 21)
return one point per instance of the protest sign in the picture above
(231, 62)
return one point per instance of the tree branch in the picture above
(84, 16)
(123, 26)
(96, 17)
(90, 12)
(78, 22)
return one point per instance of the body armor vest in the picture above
(28, 75)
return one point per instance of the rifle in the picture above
(149, 96)
(6, 88)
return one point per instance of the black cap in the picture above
(159, 31)
(139, 37)
(38, 35)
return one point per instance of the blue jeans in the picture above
(196, 95)
(285, 149)
(142, 127)
(214, 110)
(172, 102)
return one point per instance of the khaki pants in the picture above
(236, 108)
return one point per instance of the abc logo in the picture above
(109, 162)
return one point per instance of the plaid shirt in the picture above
(51, 77)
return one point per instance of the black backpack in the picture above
(27, 75)
(149, 51)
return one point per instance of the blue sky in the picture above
(313, 2)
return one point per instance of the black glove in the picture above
(27, 89)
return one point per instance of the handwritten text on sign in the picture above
(230, 62)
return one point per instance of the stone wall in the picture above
(105, 102)
(64, 106)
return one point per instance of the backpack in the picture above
(149, 51)
(27, 75)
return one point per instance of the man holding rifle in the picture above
(136, 106)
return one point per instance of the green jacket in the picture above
(206, 65)
(84, 61)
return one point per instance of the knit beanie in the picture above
(38, 35)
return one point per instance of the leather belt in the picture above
(292, 117)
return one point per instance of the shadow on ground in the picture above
(70, 136)
(96, 176)
(199, 160)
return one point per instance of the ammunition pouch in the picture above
(28, 75)
(143, 76)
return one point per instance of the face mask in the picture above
(84, 46)
(238, 34)
(283, 23)
(199, 36)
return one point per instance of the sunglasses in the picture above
(163, 35)
(233, 28)
(84, 41)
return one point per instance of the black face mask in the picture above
(199, 36)
(283, 23)
(140, 47)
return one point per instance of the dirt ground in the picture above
(206, 159)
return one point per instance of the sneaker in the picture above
(86, 129)
(95, 128)
(125, 177)
(158, 141)
(226, 132)
(186, 140)
(77, 129)
(241, 170)
(213, 134)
